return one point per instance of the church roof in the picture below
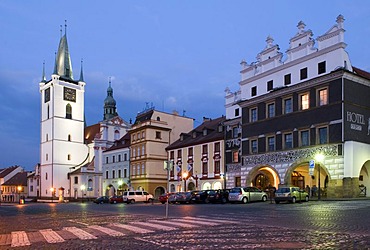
(124, 142)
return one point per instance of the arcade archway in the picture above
(263, 177)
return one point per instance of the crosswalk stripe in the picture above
(199, 222)
(132, 228)
(211, 220)
(20, 239)
(174, 223)
(80, 233)
(51, 236)
(161, 227)
(106, 230)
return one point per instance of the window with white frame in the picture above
(304, 101)
(322, 97)
(322, 135)
(304, 138)
(288, 140)
(253, 115)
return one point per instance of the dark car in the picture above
(218, 196)
(180, 197)
(101, 200)
(200, 196)
(116, 199)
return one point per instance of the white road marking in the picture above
(106, 230)
(199, 222)
(20, 239)
(174, 223)
(161, 227)
(132, 228)
(212, 220)
(80, 233)
(51, 236)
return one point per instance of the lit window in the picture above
(235, 156)
(288, 141)
(304, 101)
(323, 97)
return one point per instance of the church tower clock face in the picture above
(69, 94)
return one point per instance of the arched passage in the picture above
(298, 175)
(158, 191)
(263, 177)
(364, 180)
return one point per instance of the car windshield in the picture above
(235, 190)
(283, 190)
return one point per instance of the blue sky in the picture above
(178, 55)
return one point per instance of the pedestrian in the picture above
(308, 190)
(314, 190)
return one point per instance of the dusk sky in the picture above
(177, 55)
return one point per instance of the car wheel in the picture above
(223, 200)
(114, 202)
(307, 198)
(206, 200)
(101, 202)
(293, 200)
(245, 200)
(277, 202)
(132, 201)
(264, 198)
(150, 200)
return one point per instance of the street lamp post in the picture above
(82, 192)
(52, 194)
(19, 188)
(184, 176)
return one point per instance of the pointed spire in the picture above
(43, 72)
(55, 72)
(81, 73)
(63, 59)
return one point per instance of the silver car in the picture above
(246, 194)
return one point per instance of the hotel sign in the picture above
(357, 121)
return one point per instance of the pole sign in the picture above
(311, 167)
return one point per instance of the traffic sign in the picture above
(311, 167)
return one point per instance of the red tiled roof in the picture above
(212, 134)
(19, 179)
(91, 132)
(7, 171)
(361, 72)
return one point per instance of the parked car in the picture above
(246, 194)
(183, 197)
(290, 194)
(116, 199)
(220, 195)
(137, 196)
(101, 200)
(172, 198)
(200, 196)
(164, 197)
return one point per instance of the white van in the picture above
(137, 196)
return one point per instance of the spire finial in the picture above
(43, 72)
(81, 73)
(61, 31)
(65, 27)
(110, 81)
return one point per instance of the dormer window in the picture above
(205, 132)
(194, 134)
(220, 128)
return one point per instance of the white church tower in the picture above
(62, 145)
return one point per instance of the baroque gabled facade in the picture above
(150, 134)
(198, 158)
(313, 103)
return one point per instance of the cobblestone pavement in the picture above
(333, 225)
